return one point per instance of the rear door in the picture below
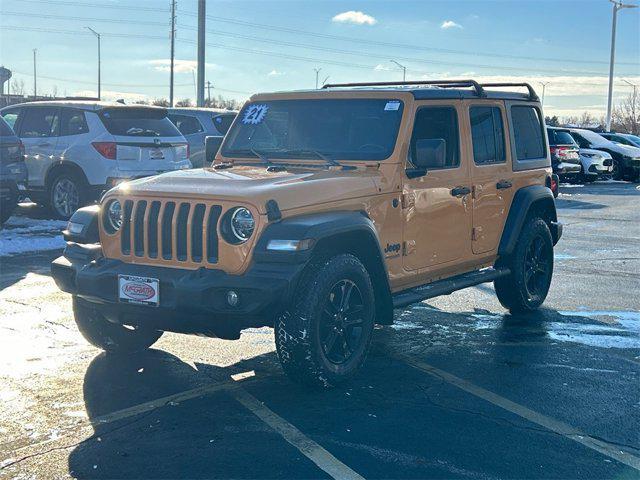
(491, 174)
(146, 140)
(38, 129)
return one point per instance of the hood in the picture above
(593, 151)
(253, 184)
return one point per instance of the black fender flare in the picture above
(527, 200)
(346, 231)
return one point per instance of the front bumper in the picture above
(566, 168)
(191, 301)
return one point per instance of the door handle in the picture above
(460, 191)
(504, 184)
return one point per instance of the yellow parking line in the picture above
(310, 449)
(549, 423)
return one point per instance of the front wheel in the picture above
(324, 337)
(108, 336)
(531, 265)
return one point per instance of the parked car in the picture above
(75, 150)
(565, 158)
(595, 164)
(198, 123)
(626, 160)
(13, 171)
(324, 211)
(623, 138)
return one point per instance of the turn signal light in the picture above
(106, 149)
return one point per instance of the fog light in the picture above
(232, 298)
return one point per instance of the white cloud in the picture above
(450, 24)
(275, 73)
(381, 68)
(179, 66)
(355, 17)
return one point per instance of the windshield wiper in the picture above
(261, 156)
(322, 156)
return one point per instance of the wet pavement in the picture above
(456, 388)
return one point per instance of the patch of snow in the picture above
(571, 185)
(405, 325)
(23, 234)
(563, 256)
(622, 330)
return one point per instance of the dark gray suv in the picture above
(13, 171)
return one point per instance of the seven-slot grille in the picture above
(170, 230)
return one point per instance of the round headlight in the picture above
(114, 216)
(242, 224)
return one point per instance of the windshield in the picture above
(339, 129)
(593, 138)
(138, 122)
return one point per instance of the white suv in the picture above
(75, 150)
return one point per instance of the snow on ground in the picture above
(22, 234)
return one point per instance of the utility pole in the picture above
(202, 13)
(617, 5)
(317, 70)
(173, 50)
(209, 86)
(99, 79)
(35, 83)
(544, 86)
(404, 70)
(631, 85)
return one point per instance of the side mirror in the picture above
(429, 153)
(211, 147)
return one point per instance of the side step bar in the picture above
(447, 286)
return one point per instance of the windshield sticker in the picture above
(392, 106)
(255, 114)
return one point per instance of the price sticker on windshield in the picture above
(392, 106)
(255, 114)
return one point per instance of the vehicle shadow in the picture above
(392, 420)
(577, 204)
(602, 188)
(16, 267)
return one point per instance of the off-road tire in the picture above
(108, 336)
(78, 182)
(512, 290)
(298, 330)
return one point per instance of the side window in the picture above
(527, 131)
(40, 122)
(11, 117)
(73, 122)
(434, 123)
(187, 124)
(487, 134)
(223, 122)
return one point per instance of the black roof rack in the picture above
(437, 83)
(532, 93)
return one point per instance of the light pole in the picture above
(35, 84)
(404, 70)
(631, 85)
(617, 5)
(202, 15)
(317, 70)
(544, 86)
(99, 75)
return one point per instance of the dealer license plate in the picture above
(139, 290)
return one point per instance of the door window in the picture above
(223, 122)
(40, 122)
(528, 133)
(11, 117)
(73, 122)
(187, 125)
(438, 123)
(487, 133)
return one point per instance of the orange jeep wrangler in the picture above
(324, 211)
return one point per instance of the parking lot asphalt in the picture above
(456, 388)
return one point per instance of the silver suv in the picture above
(75, 150)
(198, 123)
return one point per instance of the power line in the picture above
(86, 82)
(317, 34)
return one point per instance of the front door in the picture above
(437, 206)
(491, 174)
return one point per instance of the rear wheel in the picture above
(324, 337)
(108, 336)
(67, 193)
(531, 265)
(617, 172)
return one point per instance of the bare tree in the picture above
(54, 91)
(160, 102)
(141, 101)
(626, 115)
(185, 102)
(222, 102)
(17, 87)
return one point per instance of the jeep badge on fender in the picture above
(297, 224)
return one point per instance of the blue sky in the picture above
(275, 45)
